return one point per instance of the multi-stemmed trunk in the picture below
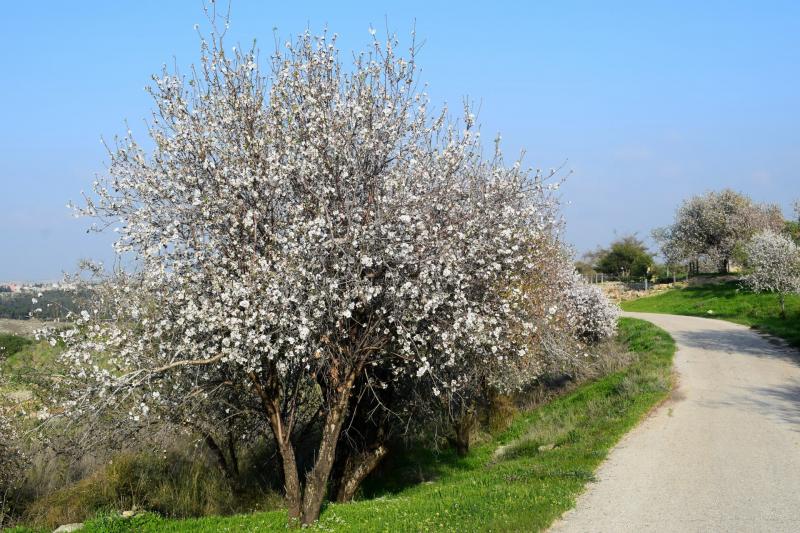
(304, 501)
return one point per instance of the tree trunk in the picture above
(782, 299)
(356, 469)
(220, 456)
(283, 439)
(463, 431)
(233, 455)
(317, 479)
(291, 481)
(304, 503)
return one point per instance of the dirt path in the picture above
(722, 455)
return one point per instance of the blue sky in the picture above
(646, 102)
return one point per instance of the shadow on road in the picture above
(748, 342)
(783, 401)
(780, 402)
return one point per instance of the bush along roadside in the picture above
(522, 480)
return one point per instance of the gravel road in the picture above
(723, 454)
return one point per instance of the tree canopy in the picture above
(627, 256)
(773, 260)
(715, 226)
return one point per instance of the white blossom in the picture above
(305, 232)
(773, 260)
(714, 225)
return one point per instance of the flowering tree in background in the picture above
(774, 262)
(302, 236)
(592, 315)
(715, 226)
(792, 226)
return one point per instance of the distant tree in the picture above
(587, 264)
(792, 227)
(45, 305)
(792, 230)
(774, 263)
(585, 269)
(670, 250)
(627, 255)
(715, 226)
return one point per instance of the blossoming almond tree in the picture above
(542, 298)
(774, 260)
(715, 225)
(592, 316)
(294, 231)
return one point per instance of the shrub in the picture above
(774, 260)
(12, 462)
(172, 484)
(593, 315)
(11, 344)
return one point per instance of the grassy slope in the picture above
(11, 344)
(522, 489)
(20, 360)
(728, 302)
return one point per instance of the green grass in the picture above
(729, 302)
(29, 357)
(23, 362)
(508, 484)
(11, 344)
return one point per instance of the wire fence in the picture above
(637, 282)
